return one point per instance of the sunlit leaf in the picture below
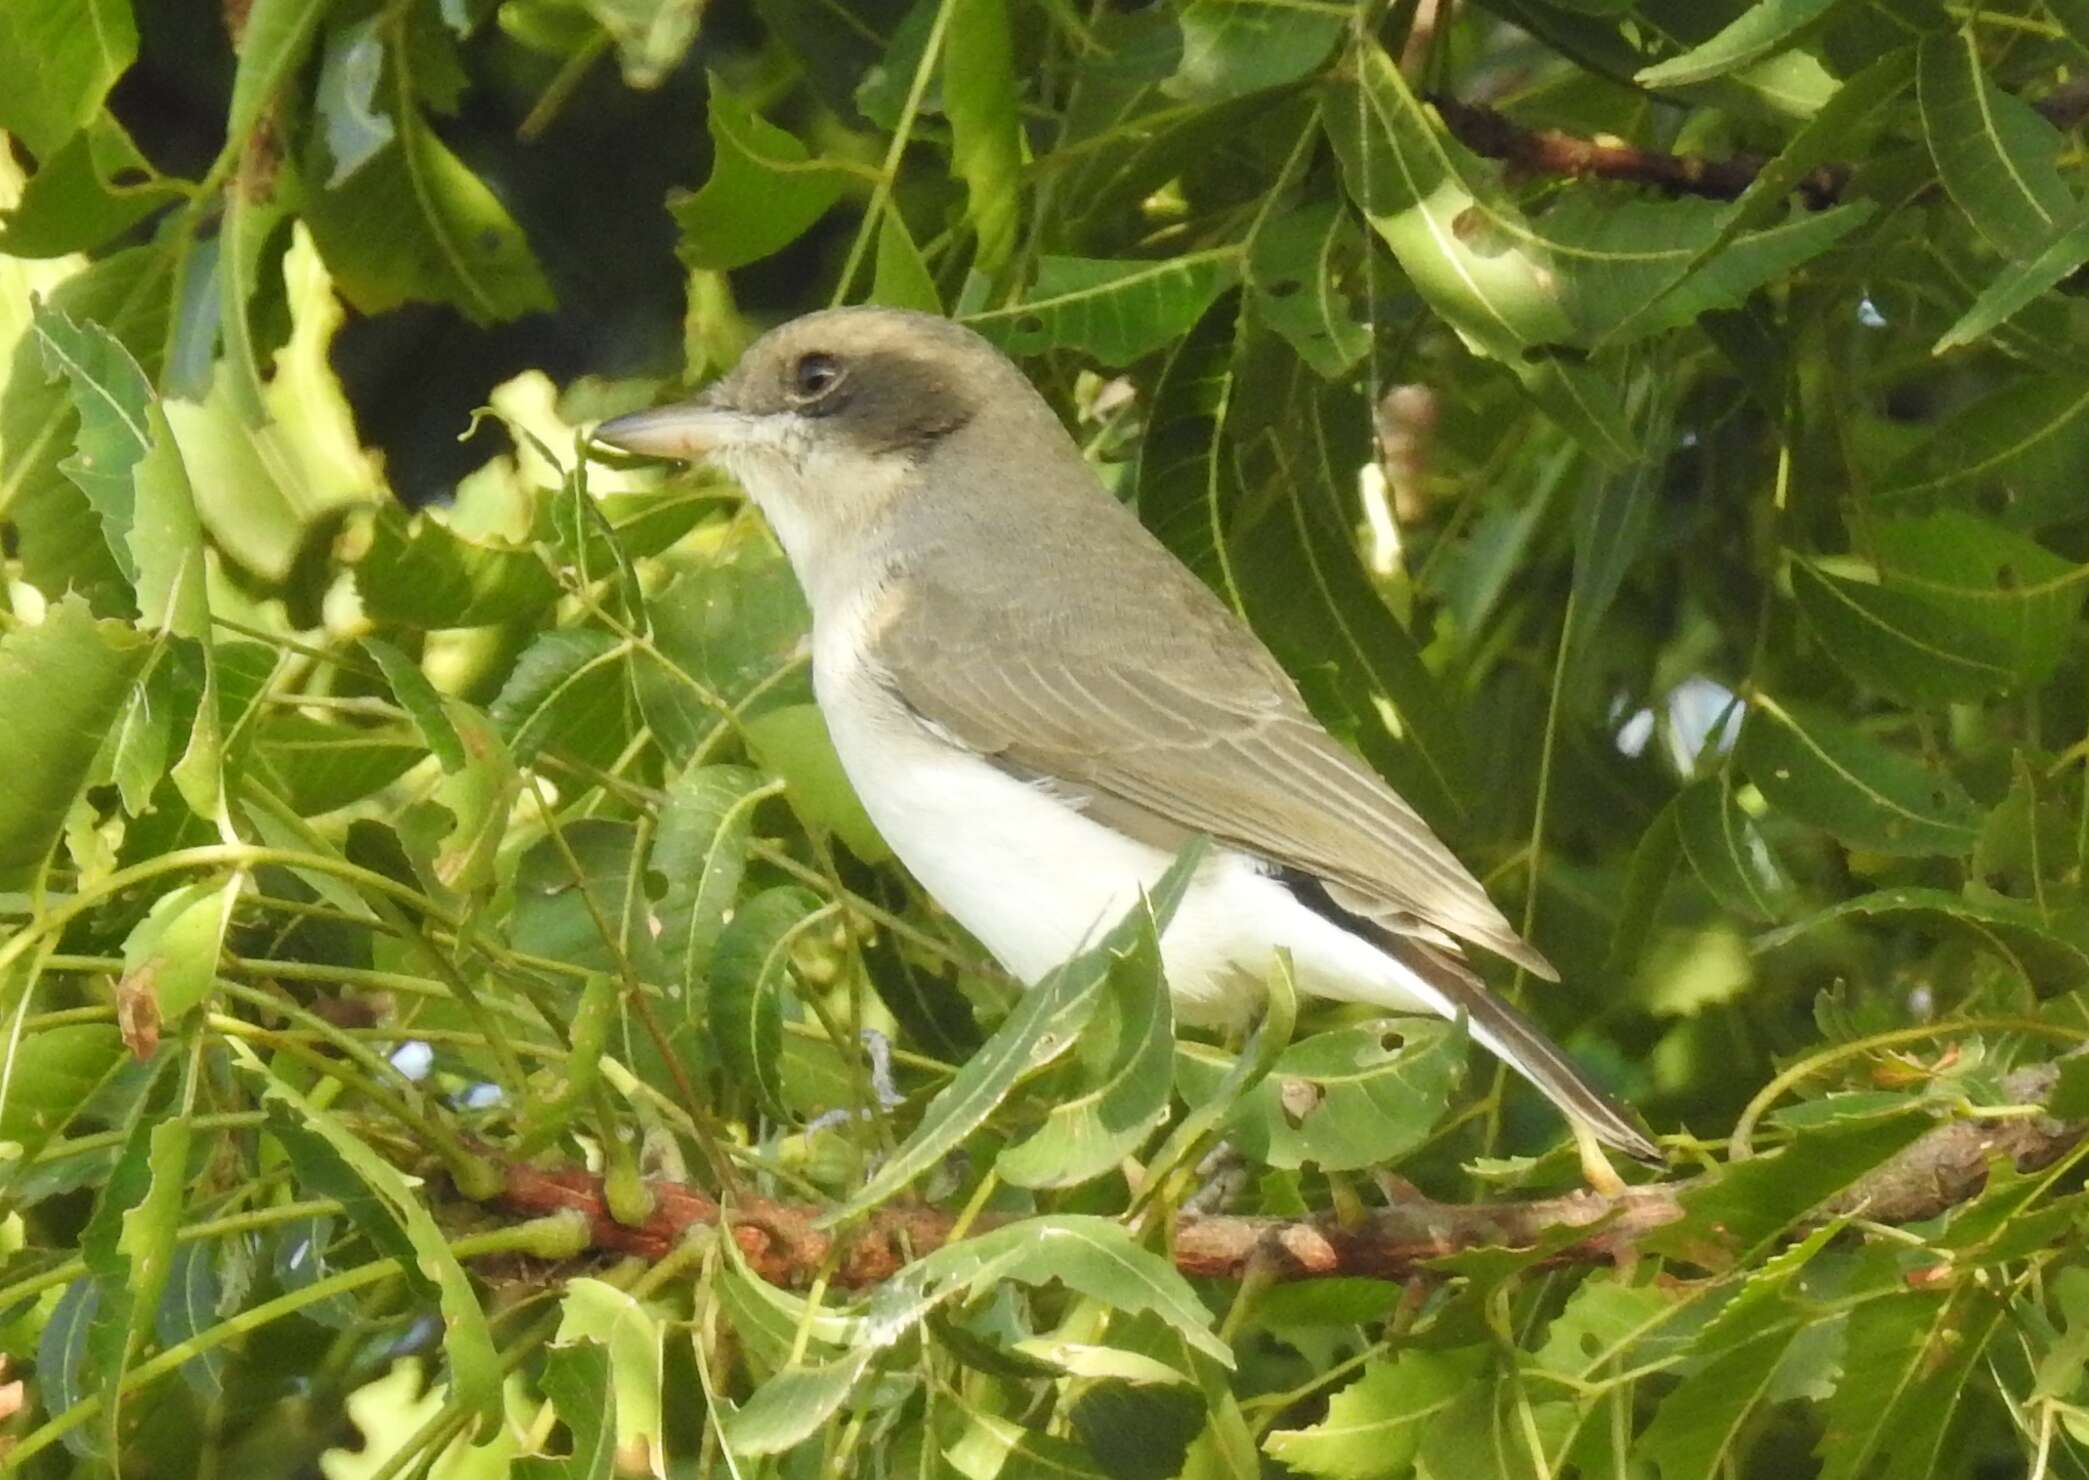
(1113, 310)
(765, 188)
(1373, 1426)
(986, 141)
(61, 57)
(1757, 32)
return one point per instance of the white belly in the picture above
(1035, 880)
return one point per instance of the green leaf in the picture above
(172, 954)
(1306, 591)
(750, 968)
(2026, 443)
(273, 44)
(700, 848)
(422, 704)
(190, 1305)
(1998, 158)
(1374, 1426)
(1611, 521)
(576, 1380)
(1699, 1428)
(415, 571)
(1463, 244)
(1295, 270)
(1898, 642)
(166, 539)
(1184, 482)
(1359, 1096)
(1122, 1091)
(112, 396)
(63, 682)
(332, 1161)
(1751, 1202)
(728, 643)
(567, 693)
(1905, 1364)
(1234, 47)
(1045, 1023)
(765, 188)
(622, 1391)
(792, 1406)
(991, 1445)
(901, 278)
(1841, 780)
(1728, 852)
(986, 141)
(1091, 1256)
(65, 1374)
(323, 766)
(1758, 32)
(414, 225)
(792, 742)
(2018, 285)
(1647, 877)
(1115, 311)
(2045, 949)
(85, 194)
(128, 1246)
(60, 58)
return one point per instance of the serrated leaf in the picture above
(1374, 1426)
(700, 848)
(750, 970)
(63, 682)
(1184, 484)
(1848, 784)
(2026, 441)
(111, 395)
(625, 1386)
(2046, 949)
(1111, 309)
(992, 1448)
(576, 1380)
(1234, 47)
(567, 693)
(334, 1162)
(1358, 1096)
(1728, 852)
(414, 224)
(60, 57)
(422, 704)
(1759, 31)
(415, 571)
(1997, 156)
(189, 1306)
(1122, 1092)
(1043, 1027)
(728, 642)
(1905, 1363)
(765, 188)
(2018, 285)
(1294, 272)
(1091, 1256)
(791, 1406)
(128, 1244)
(1751, 1202)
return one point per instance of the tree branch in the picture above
(1943, 1168)
(1543, 151)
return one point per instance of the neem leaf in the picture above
(128, 1244)
(1753, 1201)
(1091, 1256)
(568, 692)
(63, 682)
(422, 704)
(750, 968)
(700, 848)
(1841, 780)
(1905, 1364)
(1294, 272)
(334, 1162)
(111, 395)
(1123, 1089)
(1998, 158)
(1725, 847)
(1374, 1426)
(1351, 1097)
(2018, 285)
(986, 141)
(2026, 442)
(2046, 949)
(1114, 310)
(1758, 32)
(1045, 1023)
(765, 188)
(60, 58)
(171, 956)
(417, 572)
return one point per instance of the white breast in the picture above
(1035, 879)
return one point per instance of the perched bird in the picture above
(1038, 704)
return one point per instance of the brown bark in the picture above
(1943, 1168)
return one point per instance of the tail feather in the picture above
(1517, 1042)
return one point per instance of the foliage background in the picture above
(1716, 591)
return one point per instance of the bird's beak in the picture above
(692, 430)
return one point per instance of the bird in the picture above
(1038, 704)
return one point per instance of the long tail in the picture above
(1517, 1042)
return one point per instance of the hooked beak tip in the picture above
(689, 431)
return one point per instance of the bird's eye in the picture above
(814, 375)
